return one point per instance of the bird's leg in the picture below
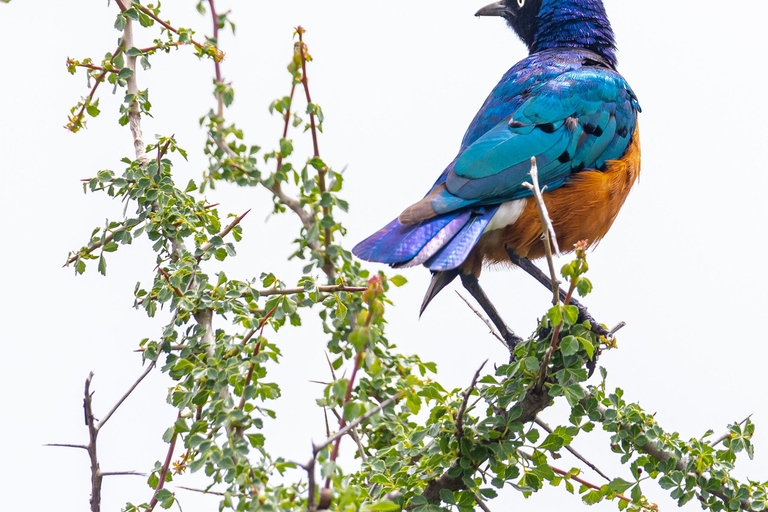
(534, 271)
(472, 285)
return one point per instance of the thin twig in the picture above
(463, 407)
(88, 250)
(219, 55)
(359, 443)
(65, 445)
(548, 231)
(123, 473)
(127, 393)
(338, 435)
(202, 491)
(727, 435)
(576, 454)
(207, 246)
(480, 502)
(481, 317)
(617, 328)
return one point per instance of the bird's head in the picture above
(521, 15)
(543, 24)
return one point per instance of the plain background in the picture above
(399, 82)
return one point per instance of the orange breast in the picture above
(582, 209)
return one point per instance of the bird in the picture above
(567, 106)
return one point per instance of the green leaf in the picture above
(398, 280)
(383, 506)
(447, 496)
(588, 346)
(555, 315)
(571, 314)
(592, 497)
(359, 337)
(125, 73)
(620, 486)
(553, 442)
(569, 345)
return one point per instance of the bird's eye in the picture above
(520, 3)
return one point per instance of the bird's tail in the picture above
(439, 281)
(440, 244)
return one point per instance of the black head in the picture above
(544, 24)
(521, 16)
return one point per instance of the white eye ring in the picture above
(520, 3)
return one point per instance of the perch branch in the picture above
(535, 272)
(548, 231)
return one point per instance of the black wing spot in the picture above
(547, 127)
(592, 129)
(623, 132)
(564, 158)
(515, 124)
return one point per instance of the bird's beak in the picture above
(497, 9)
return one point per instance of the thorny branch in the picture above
(312, 504)
(653, 449)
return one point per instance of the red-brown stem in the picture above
(305, 83)
(164, 470)
(97, 68)
(255, 353)
(207, 246)
(166, 25)
(99, 79)
(162, 151)
(327, 267)
(348, 396)
(215, 38)
(343, 421)
(176, 290)
(584, 482)
(121, 5)
(157, 46)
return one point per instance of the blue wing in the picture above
(566, 107)
(574, 121)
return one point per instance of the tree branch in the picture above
(463, 407)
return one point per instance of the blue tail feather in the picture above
(440, 244)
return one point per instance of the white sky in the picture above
(399, 82)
